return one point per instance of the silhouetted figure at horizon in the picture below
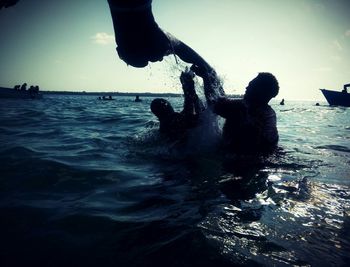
(137, 99)
(282, 102)
(24, 87)
(345, 88)
(33, 91)
(17, 87)
(172, 124)
(250, 123)
(106, 97)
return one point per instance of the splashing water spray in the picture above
(140, 40)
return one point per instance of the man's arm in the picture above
(213, 89)
(233, 109)
(270, 132)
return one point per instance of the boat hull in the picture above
(18, 94)
(335, 98)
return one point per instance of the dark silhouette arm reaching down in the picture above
(140, 40)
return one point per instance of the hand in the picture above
(199, 71)
(186, 76)
(187, 82)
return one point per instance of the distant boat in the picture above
(335, 98)
(106, 98)
(19, 94)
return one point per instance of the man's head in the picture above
(261, 89)
(161, 108)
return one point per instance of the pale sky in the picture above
(69, 45)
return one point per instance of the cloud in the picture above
(322, 69)
(103, 38)
(83, 77)
(337, 45)
(336, 58)
(347, 33)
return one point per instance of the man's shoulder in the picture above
(270, 110)
(267, 110)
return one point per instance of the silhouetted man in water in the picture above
(172, 124)
(345, 88)
(250, 124)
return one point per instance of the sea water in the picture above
(86, 182)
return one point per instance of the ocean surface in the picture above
(91, 183)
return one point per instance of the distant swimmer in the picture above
(172, 124)
(137, 99)
(250, 123)
(24, 87)
(282, 102)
